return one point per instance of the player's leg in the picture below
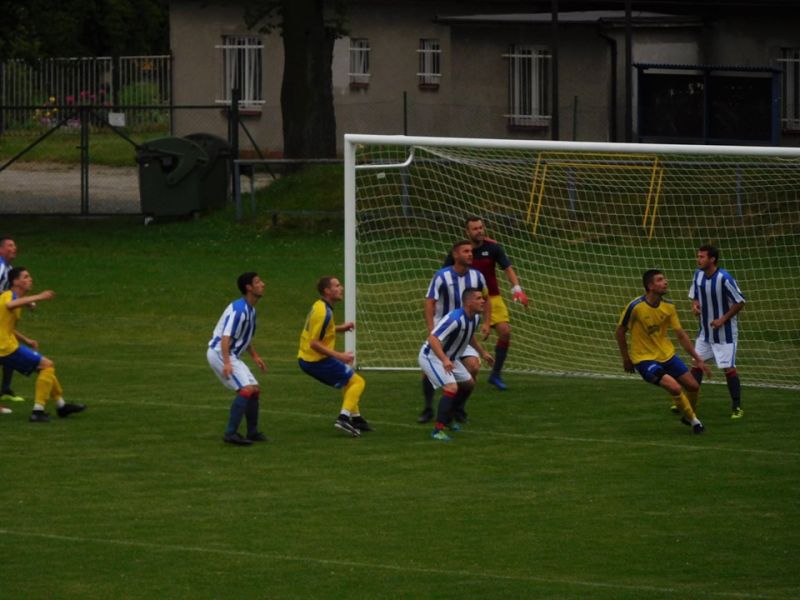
(500, 322)
(725, 356)
(252, 412)
(427, 393)
(472, 363)
(440, 378)
(352, 400)
(244, 384)
(6, 394)
(654, 372)
(704, 351)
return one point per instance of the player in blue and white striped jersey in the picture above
(233, 335)
(441, 356)
(717, 299)
(444, 294)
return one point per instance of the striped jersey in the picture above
(4, 269)
(484, 258)
(319, 326)
(454, 331)
(648, 326)
(447, 286)
(237, 321)
(716, 295)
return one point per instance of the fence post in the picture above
(83, 115)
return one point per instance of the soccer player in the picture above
(319, 358)
(24, 357)
(233, 335)
(652, 354)
(444, 294)
(487, 254)
(441, 356)
(717, 299)
(8, 252)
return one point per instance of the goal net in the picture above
(581, 222)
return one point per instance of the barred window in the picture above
(789, 63)
(528, 85)
(430, 66)
(242, 68)
(359, 62)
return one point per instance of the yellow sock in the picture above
(44, 385)
(683, 402)
(694, 399)
(352, 393)
(57, 391)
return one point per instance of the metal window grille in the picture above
(430, 66)
(359, 61)
(789, 63)
(528, 85)
(242, 68)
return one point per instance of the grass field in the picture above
(558, 488)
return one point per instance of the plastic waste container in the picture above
(170, 176)
(216, 173)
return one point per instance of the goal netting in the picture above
(581, 222)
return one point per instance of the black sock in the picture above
(427, 393)
(734, 388)
(251, 415)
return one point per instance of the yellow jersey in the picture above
(319, 326)
(8, 324)
(648, 326)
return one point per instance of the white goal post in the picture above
(581, 222)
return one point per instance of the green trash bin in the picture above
(216, 174)
(170, 177)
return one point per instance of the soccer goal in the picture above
(581, 222)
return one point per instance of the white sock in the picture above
(345, 412)
(38, 406)
(60, 402)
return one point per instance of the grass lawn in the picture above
(558, 488)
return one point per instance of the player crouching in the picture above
(24, 357)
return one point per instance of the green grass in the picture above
(558, 488)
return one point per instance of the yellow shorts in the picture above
(499, 310)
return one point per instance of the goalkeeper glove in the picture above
(519, 295)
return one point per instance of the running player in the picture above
(441, 357)
(717, 300)
(487, 254)
(8, 252)
(233, 335)
(652, 354)
(319, 358)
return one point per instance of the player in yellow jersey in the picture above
(23, 357)
(319, 358)
(651, 352)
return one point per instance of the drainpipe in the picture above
(612, 111)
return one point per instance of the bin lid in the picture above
(178, 156)
(214, 146)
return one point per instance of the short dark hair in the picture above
(244, 280)
(458, 245)
(712, 251)
(323, 283)
(472, 219)
(648, 277)
(469, 291)
(14, 274)
(4, 239)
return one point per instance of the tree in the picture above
(309, 29)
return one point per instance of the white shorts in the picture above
(434, 370)
(470, 351)
(723, 354)
(241, 376)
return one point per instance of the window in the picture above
(430, 66)
(359, 63)
(242, 69)
(528, 86)
(789, 63)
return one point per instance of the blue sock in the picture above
(427, 392)
(238, 408)
(500, 353)
(445, 413)
(251, 414)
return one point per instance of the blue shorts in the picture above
(652, 371)
(329, 371)
(23, 359)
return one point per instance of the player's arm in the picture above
(488, 358)
(317, 346)
(732, 312)
(28, 300)
(225, 350)
(436, 346)
(696, 308)
(256, 358)
(516, 289)
(686, 343)
(486, 316)
(349, 326)
(622, 342)
(430, 310)
(26, 340)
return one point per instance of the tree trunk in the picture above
(309, 121)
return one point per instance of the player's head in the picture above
(330, 288)
(8, 248)
(472, 300)
(462, 253)
(707, 256)
(20, 278)
(475, 229)
(655, 281)
(251, 282)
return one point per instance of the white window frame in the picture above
(359, 62)
(430, 62)
(789, 63)
(528, 85)
(242, 66)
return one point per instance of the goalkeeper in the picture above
(486, 255)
